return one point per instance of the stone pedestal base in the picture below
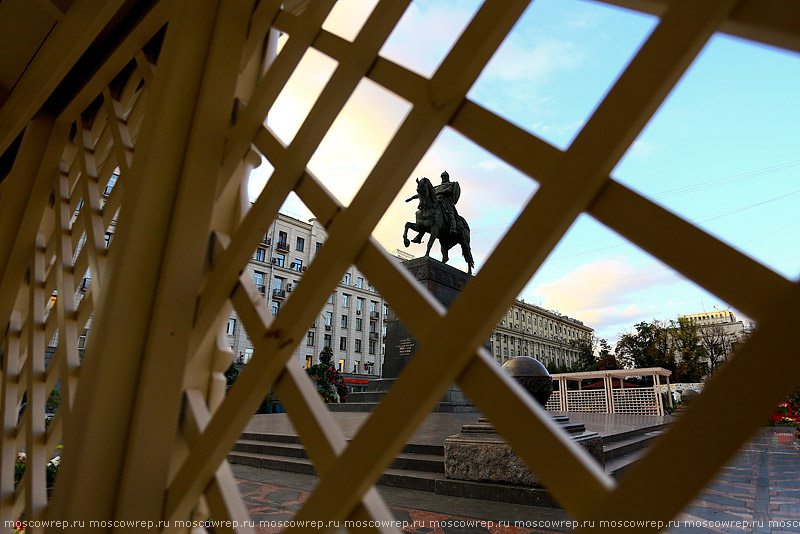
(479, 454)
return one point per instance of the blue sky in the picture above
(722, 151)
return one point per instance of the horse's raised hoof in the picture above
(417, 239)
(406, 242)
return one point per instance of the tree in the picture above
(329, 381)
(605, 359)
(691, 366)
(718, 343)
(594, 354)
(650, 346)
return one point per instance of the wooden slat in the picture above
(61, 50)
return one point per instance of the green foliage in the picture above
(594, 354)
(794, 398)
(328, 380)
(231, 374)
(51, 470)
(674, 346)
(53, 401)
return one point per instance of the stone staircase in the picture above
(421, 467)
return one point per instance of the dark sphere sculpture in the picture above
(532, 376)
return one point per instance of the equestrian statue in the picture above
(437, 215)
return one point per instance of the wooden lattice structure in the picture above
(176, 101)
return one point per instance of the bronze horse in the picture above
(431, 219)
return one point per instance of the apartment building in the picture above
(528, 330)
(351, 322)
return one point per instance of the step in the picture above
(444, 407)
(617, 467)
(277, 455)
(289, 450)
(277, 438)
(631, 433)
(260, 437)
(419, 481)
(276, 463)
(626, 446)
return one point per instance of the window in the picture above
(248, 354)
(276, 307)
(372, 347)
(358, 324)
(372, 325)
(261, 254)
(111, 181)
(282, 238)
(347, 278)
(372, 288)
(327, 341)
(341, 366)
(517, 315)
(317, 247)
(264, 239)
(385, 310)
(277, 283)
(359, 304)
(301, 244)
(330, 299)
(310, 339)
(373, 306)
(509, 314)
(383, 330)
(344, 321)
(258, 278)
(309, 359)
(360, 282)
(280, 259)
(357, 347)
(328, 318)
(107, 239)
(355, 366)
(231, 326)
(297, 265)
(345, 300)
(343, 343)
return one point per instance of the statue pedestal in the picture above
(443, 282)
(479, 454)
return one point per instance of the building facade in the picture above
(719, 333)
(528, 330)
(352, 321)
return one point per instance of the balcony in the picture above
(282, 245)
(374, 315)
(373, 335)
(278, 294)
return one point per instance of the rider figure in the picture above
(447, 193)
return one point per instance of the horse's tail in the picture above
(466, 248)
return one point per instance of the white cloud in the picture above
(603, 294)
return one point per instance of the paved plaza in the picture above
(758, 492)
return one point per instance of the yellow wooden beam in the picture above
(73, 34)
